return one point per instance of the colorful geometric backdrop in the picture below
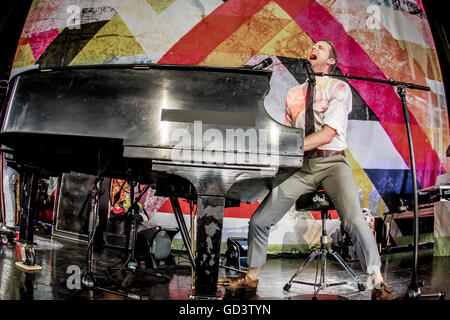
(374, 38)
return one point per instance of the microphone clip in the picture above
(261, 65)
(309, 71)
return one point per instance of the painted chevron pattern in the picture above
(373, 38)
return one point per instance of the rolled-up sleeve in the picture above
(339, 106)
(288, 120)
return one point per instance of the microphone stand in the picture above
(413, 291)
(131, 264)
(88, 279)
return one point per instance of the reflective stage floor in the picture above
(62, 258)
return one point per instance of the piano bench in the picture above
(314, 201)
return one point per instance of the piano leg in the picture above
(28, 206)
(209, 233)
(28, 217)
(212, 185)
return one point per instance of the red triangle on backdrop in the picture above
(243, 211)
(40, 41)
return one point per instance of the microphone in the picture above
(309, 71)
(263, 64)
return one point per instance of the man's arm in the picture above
(319, 138)
(335, 117)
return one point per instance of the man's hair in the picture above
(332, 54)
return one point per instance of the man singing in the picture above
(324, 166)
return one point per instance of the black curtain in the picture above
(12, 18)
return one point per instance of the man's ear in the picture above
(331, 61)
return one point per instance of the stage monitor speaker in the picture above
(236, 254)
(154, 244)
(69, 222)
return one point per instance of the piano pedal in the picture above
(28, 256)
(220, 294)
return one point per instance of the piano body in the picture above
(195, 132)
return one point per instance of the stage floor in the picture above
(57, 256)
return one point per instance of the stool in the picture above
(319, 201)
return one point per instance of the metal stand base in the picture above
(413, 292)
(130, 273)
(321, 255)
(88, 283)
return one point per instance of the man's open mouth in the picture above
(312, 56)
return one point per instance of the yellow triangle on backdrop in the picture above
(290, 42)
(113, 40)
(363, 182)
(24, 56)
(160, 5)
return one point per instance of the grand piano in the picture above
(195, 132)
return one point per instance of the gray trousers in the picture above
(332, 174)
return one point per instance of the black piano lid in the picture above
(72, 112)
(154, 66)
